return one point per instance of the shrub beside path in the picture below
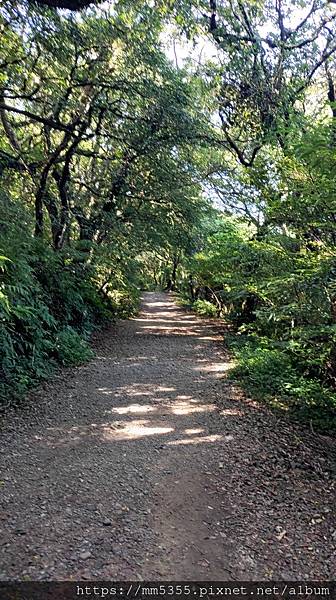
(148, 463)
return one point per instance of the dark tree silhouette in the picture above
(67, 4)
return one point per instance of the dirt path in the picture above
(147, 463)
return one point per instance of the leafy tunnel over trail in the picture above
(147, 145)
(183, 146)
(212, 174)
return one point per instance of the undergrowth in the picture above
(269, 371)
(50, 302)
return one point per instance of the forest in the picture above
(178, 145)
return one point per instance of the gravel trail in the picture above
(147, 463)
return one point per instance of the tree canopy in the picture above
(212, 175)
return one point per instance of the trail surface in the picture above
(147, 463)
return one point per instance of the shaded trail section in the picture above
(147, 463)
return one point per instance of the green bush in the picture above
(50, 302)
(205, 308)
(71, 348)
(268, 373)
(125, 303)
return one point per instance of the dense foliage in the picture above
(111, 156)
(268, 265)
(96, 165)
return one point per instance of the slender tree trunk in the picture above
(39, 196)
(332, 100)
(176, 262)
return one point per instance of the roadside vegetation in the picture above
(212, 175)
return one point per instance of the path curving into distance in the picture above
(147, 463)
